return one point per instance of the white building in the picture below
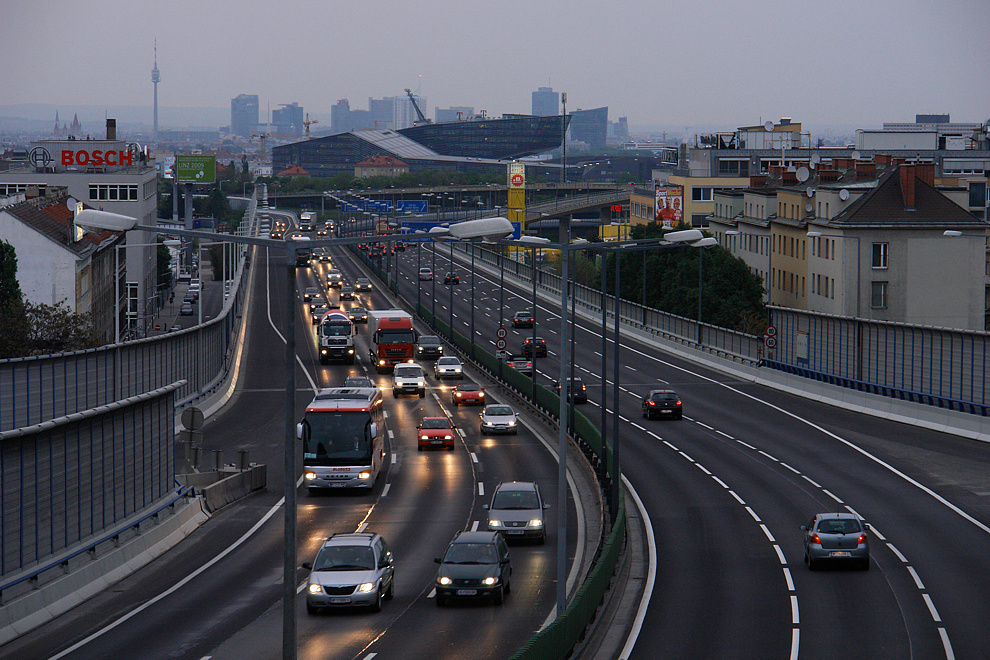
(111, 175)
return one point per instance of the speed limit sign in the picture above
(771, 331)
(500, 344)
(501, 333)
(771, 342)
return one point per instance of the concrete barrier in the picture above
(92, 576)
(226, 486)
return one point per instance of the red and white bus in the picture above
(343, 438)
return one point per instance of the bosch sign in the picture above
(96, 157)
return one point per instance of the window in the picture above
(699, 220)
(879, 255)
(702, 194)
(728, 167)
(113, 192)
(878, 295)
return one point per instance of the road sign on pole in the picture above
(501, 333)
(500, 344)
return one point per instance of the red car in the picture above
(435, 432)
(468, 393)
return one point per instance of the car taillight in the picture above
(678, 402)
(584, 388)
(653, 403)
(815, 539)
(862, 539)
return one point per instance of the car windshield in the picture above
(470, 553)
(435, 424)
(665, 396)
(498, 411)
(408, 373)
(358, 381)
(515, 499)
(345, 558)
(468, 387)
(429, 341)
(448, 361)
(839, 526)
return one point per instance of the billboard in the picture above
(517, 175)
(168, 167)
(668, 207)
(196, 169)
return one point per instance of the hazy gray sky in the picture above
(854, 62)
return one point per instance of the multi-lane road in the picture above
(724, 492)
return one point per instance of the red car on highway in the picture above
(435, 432)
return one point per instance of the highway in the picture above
(728, 487)
(232, 608)
(725, 491)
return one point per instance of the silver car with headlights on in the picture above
(350, 570)
(498, 418)
(516, 511)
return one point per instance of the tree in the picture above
(57, 329)
(13, 320)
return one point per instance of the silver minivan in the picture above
(350, 570)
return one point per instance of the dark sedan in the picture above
(523, 319)
(537, 347)
(662, 403)
(452, 278)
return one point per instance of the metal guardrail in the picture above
(114, 536)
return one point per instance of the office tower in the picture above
(244, 114)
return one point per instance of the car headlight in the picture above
(381, 362)
(511, 422)
(536, 522)
(309, 475)
(366, 587)
(494, 523)
(424, 437)
(489, 581)
(444, 580)
(323, 351)
(364, 475)
(350, 351)
(421, 383)
(448, 437)
(315, 588)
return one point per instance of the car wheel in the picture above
(498, 596)
(422, 394)
(390, 594)
(451, 448)
(311, 610)
(812, 564)
(455, 402)
(440, 599)
(680, 415)
(419, 447)
(866, 564)
(377, 605)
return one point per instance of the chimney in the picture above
(111, 129)
(926, 172)
(907, 185)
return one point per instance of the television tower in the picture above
(155, 77)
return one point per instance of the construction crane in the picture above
(422, 118)
(308, 122)
(264, 136)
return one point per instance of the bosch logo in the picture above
(40, 157)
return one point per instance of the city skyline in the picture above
(824, 66)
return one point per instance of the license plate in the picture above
(467, 592)
(436, 442)
(340, 600)
(514, 531)
(839, 553)
(337, 485)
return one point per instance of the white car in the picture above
(448, 367)
(408, 378)
(425, 274)
(499, 418)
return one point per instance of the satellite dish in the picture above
(810, 191)
(803, 174)
(809, 208)
(71, 204)
(843, 194)
(815, 159)
(856, 155)
(768, 125)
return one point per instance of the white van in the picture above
(408, 378)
